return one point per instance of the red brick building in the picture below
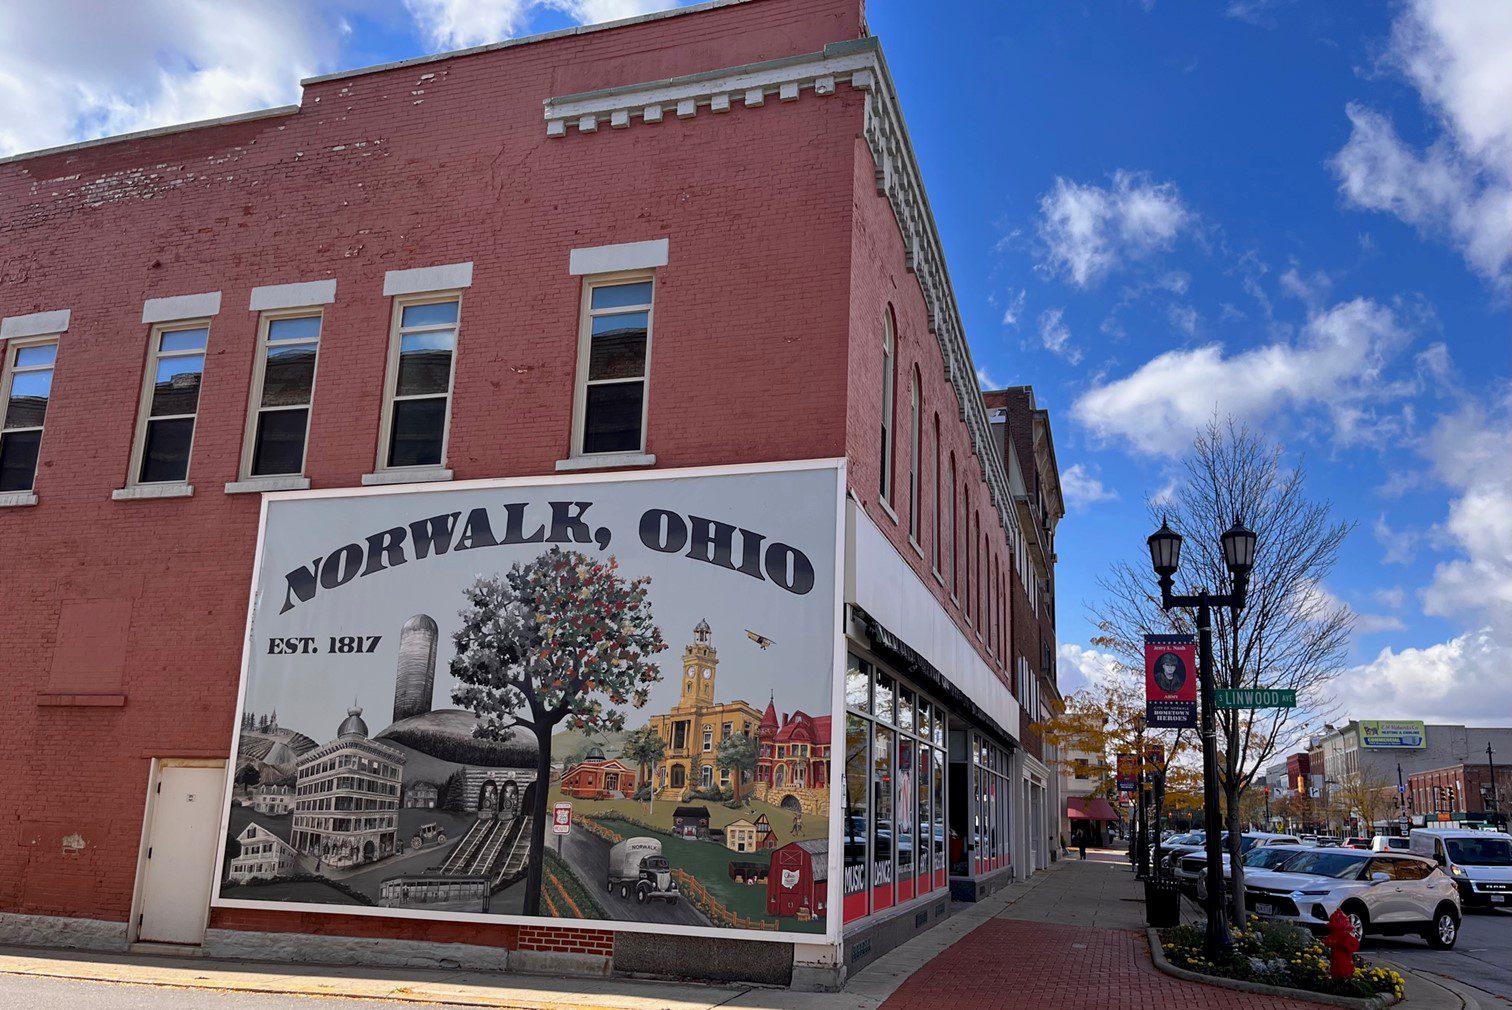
(1023, 434)
(1460, 792)
(398, 281)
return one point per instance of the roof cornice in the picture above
(859, 63)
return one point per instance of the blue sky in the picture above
(1298, 213)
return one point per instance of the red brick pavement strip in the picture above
(1015, 965)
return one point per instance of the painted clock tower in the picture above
(700, 659)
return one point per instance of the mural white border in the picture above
(834, 912)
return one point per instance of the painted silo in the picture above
(416, 678)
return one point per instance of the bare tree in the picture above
(1291, 633)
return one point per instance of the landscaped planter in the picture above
(1278, 965)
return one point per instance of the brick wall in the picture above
(435, 163)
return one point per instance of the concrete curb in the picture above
(1466, 995)
(1157, 953)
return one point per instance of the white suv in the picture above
(1190, 869)
(1381, 892)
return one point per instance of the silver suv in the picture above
(1381, 892)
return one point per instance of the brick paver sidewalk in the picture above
(1015, 965)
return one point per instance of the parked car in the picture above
(1479, 862)
(1265, 857)
(1390, 843)
(1384, 893)
(1356, 842)
(1326, 842)
(1179, 846)
(1190, 867)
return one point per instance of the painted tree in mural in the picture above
(645, 747)
(737, 755)
(561, 639)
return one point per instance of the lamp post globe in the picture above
(1239, 549)
(1165, 550)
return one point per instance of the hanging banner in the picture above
(1128, 773)
(1154, 761)
(1170, 682)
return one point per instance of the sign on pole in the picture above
(1255, 697)
(1170, 682)
(561, 818)
(1128, 773)
(1154, 761)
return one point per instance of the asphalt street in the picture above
(589, 856)
(65, 994)
(1482, 957)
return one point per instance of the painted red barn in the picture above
(798, 883)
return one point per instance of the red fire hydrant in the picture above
(1342, 944)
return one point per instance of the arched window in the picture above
(889, 370)
(915, 412)
(935, 556)
(955, 536)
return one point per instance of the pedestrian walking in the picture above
(1081, 846)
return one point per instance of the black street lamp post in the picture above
(1239, 558)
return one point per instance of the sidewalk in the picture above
(867, 990)
(1071, 938)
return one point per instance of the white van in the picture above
(1479, 862)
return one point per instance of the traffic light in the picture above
(1453, 797)
(1438, 798)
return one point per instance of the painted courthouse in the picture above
(686, 255)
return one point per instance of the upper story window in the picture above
(889, 370)
(417, 403)
(283, 385)
(170, 403)
(915, 412)
(25, 386)
(614, 352)
(935, 542)
(953, 579)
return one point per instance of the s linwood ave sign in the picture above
(1254, 697)
(436, 675)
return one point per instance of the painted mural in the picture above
(600, 700)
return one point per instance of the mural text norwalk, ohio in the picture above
(658, 650)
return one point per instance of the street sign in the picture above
(1254, 697)
(561, 818)
(1128, 772)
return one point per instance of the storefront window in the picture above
(905, 818)
(905, 710)
(857, 791)
(882, 812)
(941, 828)
(858, 684)
(924, 846)
(884, 699)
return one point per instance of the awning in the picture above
(908, 660)
(1089, 808)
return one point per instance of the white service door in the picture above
(182, 844)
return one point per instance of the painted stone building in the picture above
(793, 760)
(262, 855)
(742, 167)
(698, 722)
(346, 797)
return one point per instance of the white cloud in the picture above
(985, 379)
(1080, 667)
(1398, 547)
(1470, 451)
(1088, 231)
(1460, 187)
(458, 24)
(1395, 597)
(1015, 309)
(1183, 318)
(1463, 680)
(1334, 367)
(1056, 335)
(1082, 489)
(88, 69)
